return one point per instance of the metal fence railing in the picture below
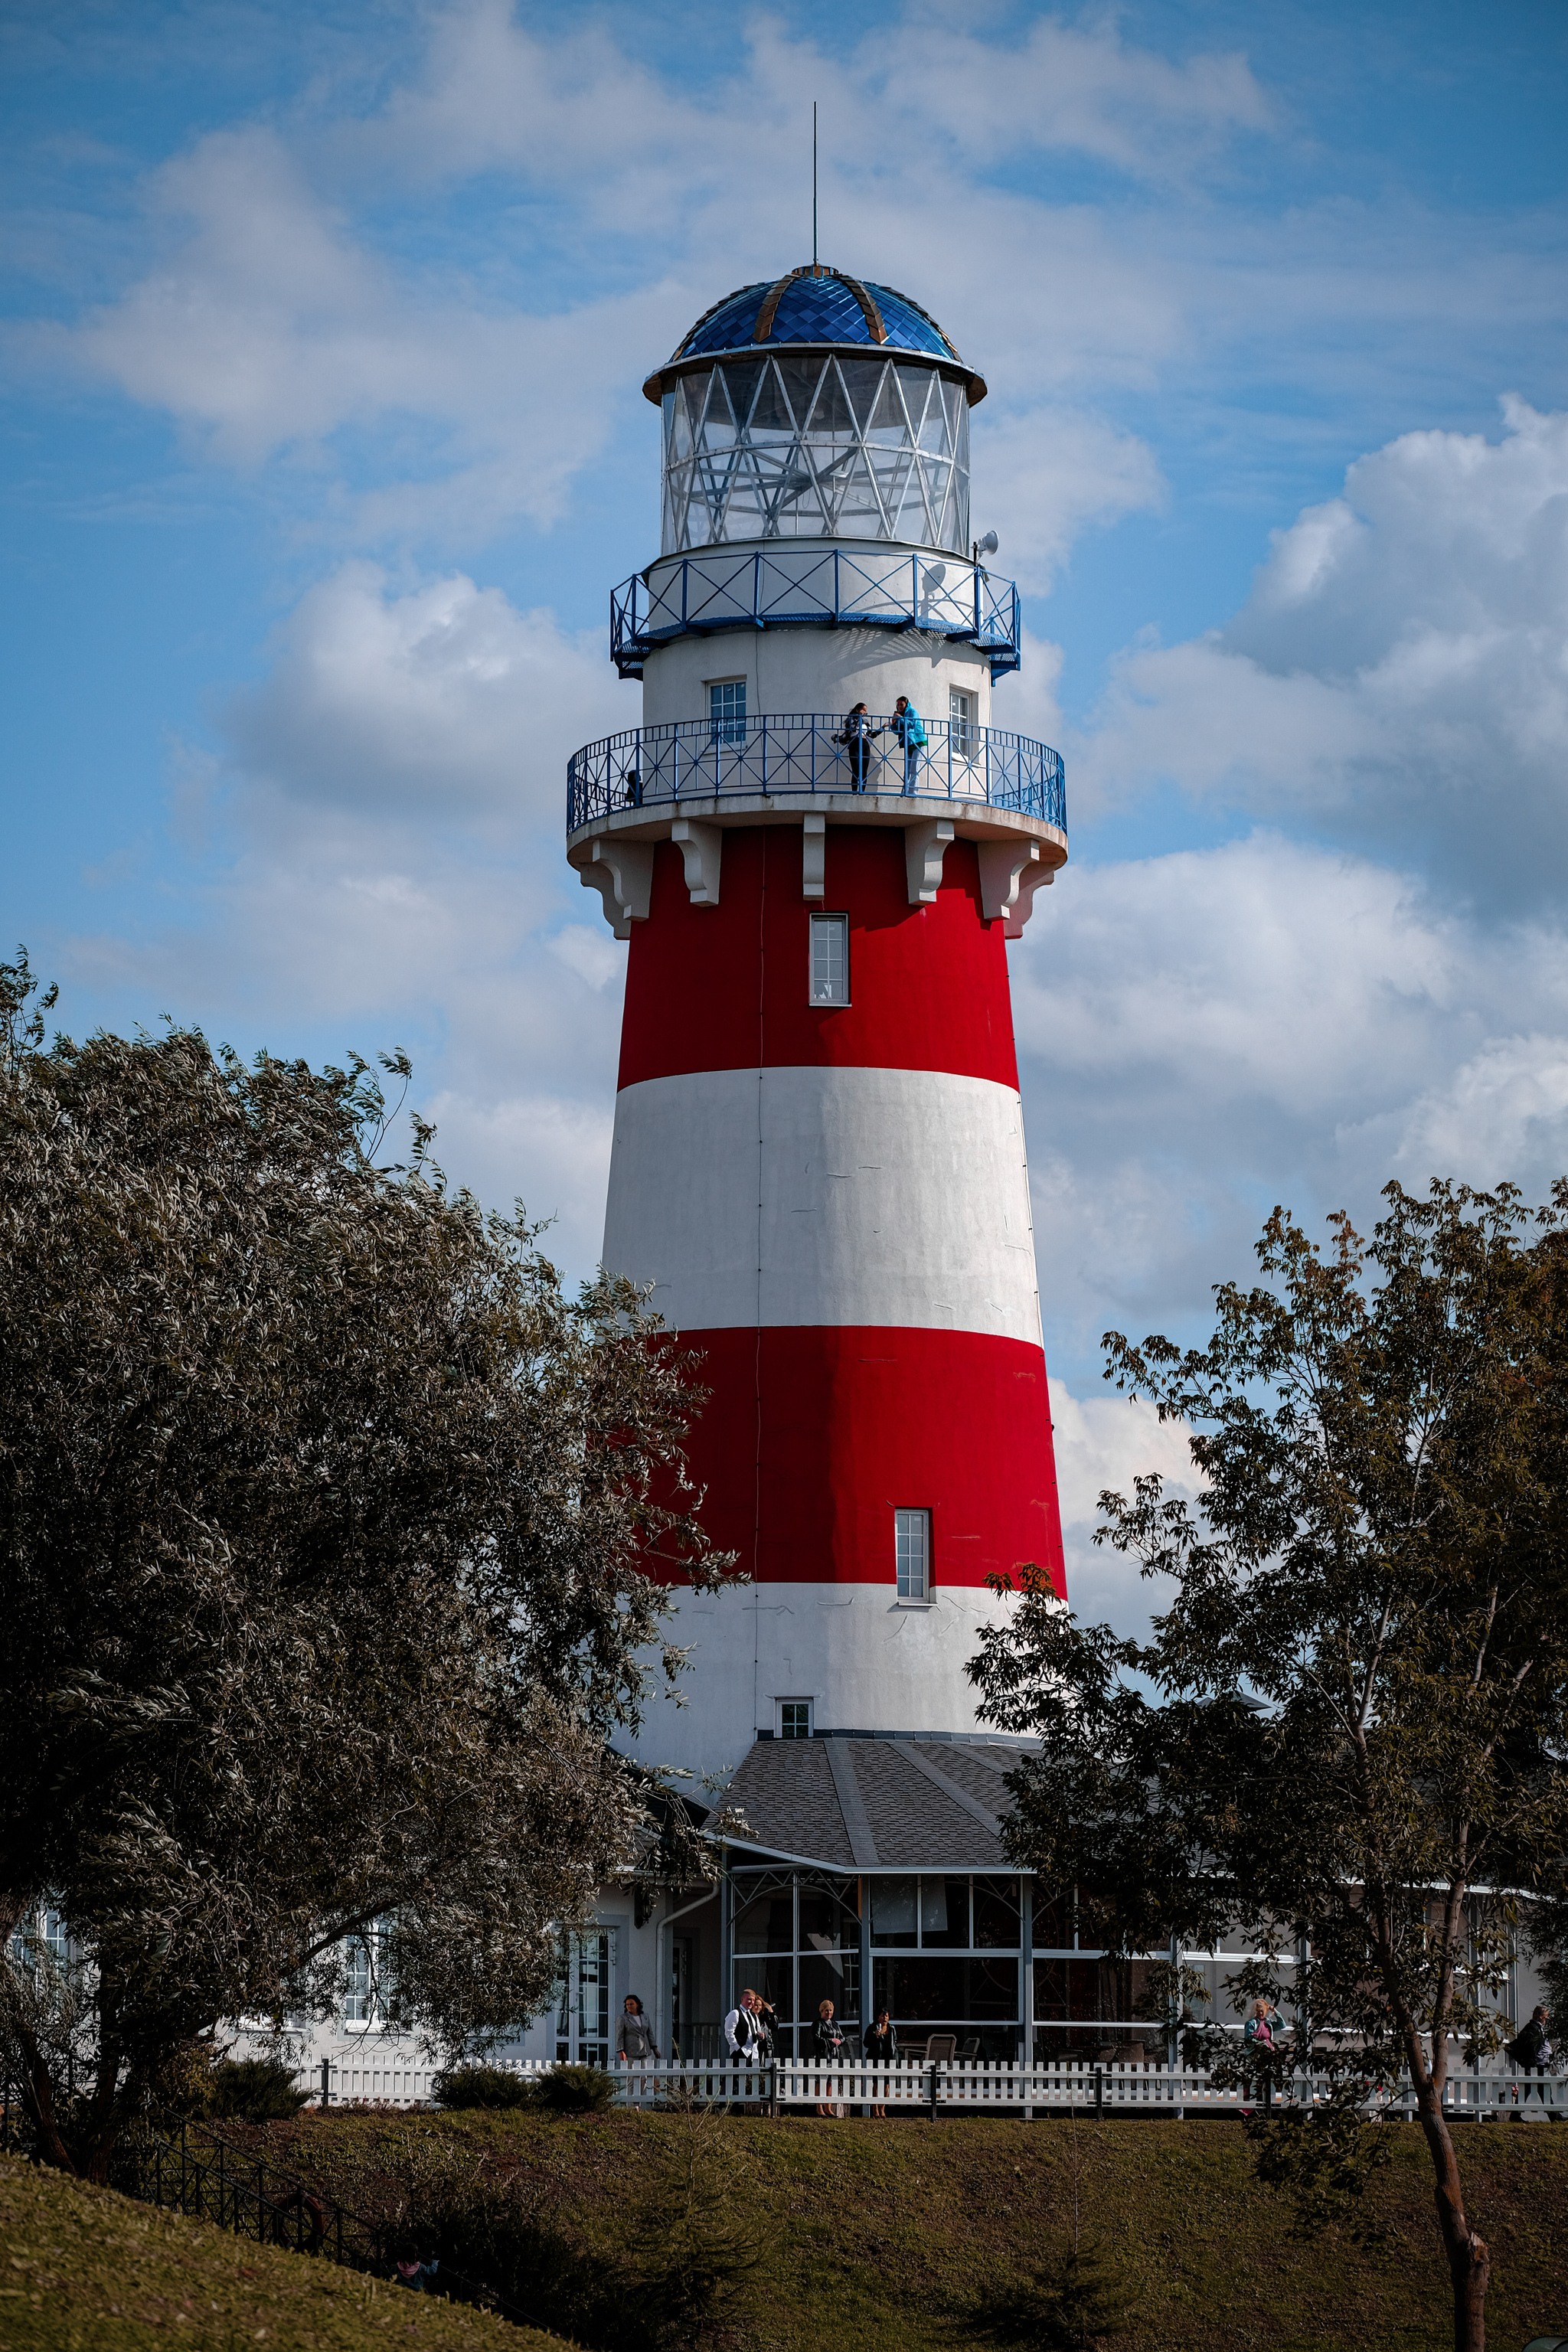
(205, 2177)
(834, 587)
(809, 752)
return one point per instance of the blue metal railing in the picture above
(705, 759)
(788, 585)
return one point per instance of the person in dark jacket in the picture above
(827, 2042)
(856, 736)
(1530, 2049)
(881, 2049)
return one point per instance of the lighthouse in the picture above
(816, 844)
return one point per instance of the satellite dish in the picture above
(988, 545)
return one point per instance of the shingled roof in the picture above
(877, 1804)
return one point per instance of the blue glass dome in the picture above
(815, 305)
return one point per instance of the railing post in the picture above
(1098, 2092)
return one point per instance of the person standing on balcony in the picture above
(910, 729)
(856, 736)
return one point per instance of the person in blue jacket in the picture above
(910, 729)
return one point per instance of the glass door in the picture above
(583, 2018)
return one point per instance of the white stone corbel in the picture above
(1034, 877)
(1002, 865)
(1010, 874)
(701, 846)
(925, 847)
(622, 874)
(813, 858)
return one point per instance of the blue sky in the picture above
(323, 444)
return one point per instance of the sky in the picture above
(322, 337)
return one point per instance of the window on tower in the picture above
(794, 1718)
(727, 710)
(830, 960)
(911, 1553)
(963, 711)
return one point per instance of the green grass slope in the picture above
(888, 2237)
(82, 2270)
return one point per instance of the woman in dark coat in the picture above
(881, 2048)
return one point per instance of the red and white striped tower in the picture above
(819, 1159)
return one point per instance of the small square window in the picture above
(727, 711)
(829, 959)
(912, 1549)
(794, 1718)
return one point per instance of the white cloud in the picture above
(1399, 674)
(441, 701)
(382, 862)
(1107, 1441)
(412, 399)
(552, 1152)
(1205, 1034)
(270, 327)
(1046, 474)
(493, 93)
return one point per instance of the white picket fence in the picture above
(964, 2085)
(974, 2086)
(393, 2082)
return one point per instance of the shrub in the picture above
(577, 2090)
(482, 2086)
(261, 2090)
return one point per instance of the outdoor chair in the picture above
(972, 2047)
(942, 2049)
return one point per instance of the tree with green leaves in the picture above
(334, 1541)
(1346, 1734)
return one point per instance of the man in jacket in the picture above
(741, 2028)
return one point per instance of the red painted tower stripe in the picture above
(858, 1423)
(928, 984)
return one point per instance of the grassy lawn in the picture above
(82, 2270)
(886, 2237)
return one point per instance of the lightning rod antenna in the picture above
(814, 187)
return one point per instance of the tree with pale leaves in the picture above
(334, 1544)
